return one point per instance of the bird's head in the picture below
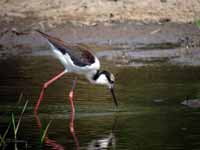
(108, 79)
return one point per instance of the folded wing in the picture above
(79, 53)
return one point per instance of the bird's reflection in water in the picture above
(103, 143)
(106, 142)
(72, 130)
(48, 142)
(52, 143)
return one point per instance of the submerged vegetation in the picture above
(14, 126)
(4, 135)
(44, 132)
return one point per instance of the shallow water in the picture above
(150, 114)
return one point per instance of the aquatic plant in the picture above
(20, 98)
(2, 138)
(44, 132)
(16, 127)
(13, 123)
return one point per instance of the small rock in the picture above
(193, 103)
(164, 20)
(158, 100)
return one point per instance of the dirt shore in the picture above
(49, 14)
(103, 24)
(128, 43)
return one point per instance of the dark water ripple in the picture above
(150, 114)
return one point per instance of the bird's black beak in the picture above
(113, 95)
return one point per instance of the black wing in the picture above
(78, 52)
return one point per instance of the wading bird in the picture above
(78, 59)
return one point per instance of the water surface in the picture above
(150, 114)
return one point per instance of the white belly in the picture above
(71, 67)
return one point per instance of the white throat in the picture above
(101, 79)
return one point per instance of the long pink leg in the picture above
(45, 85)
(72, 130)
(71, 96)
(72, 114)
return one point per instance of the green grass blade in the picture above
(14, 126)
(4, 135)
(2, 141)
(21, 115)
(6, 132)
(45, 132)
(13, 122)
(20, 98)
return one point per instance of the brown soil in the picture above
(43, 14)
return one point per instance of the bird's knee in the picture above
(71, 128)
(45, 85)
(71, 93)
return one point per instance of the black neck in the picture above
(95, 77)
(98, 73)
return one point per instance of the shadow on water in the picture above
(150, 113)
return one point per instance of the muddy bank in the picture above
(129, 43)
(135, 34)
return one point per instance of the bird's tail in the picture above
(42, 33)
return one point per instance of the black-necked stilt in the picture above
(76, 58)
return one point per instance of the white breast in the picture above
(102, 79)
